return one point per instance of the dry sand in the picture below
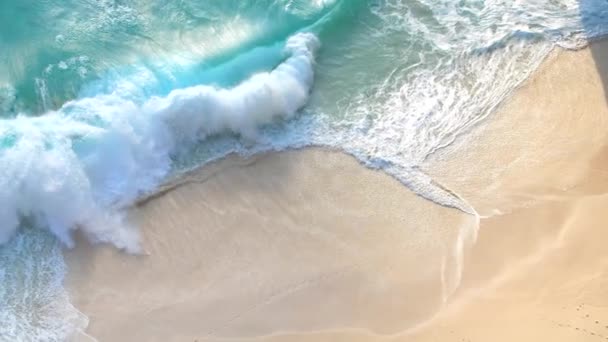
(311, 246)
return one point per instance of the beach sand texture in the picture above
(309, 245)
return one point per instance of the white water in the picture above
(35, 305)
(77, 167)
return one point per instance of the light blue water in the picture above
(100, 101)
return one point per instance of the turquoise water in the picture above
(100, 101)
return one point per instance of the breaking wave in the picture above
(76, 167)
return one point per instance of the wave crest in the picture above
(79, 166)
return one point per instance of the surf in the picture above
(72, 167)
(127, 130)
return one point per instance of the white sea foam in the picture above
(475, 53)
(34, 304)
(77, 167)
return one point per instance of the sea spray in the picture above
(77, 167)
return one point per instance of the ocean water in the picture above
(103, 100)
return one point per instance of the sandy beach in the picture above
(310, 245)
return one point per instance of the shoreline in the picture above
(324, 246)
(333, 250)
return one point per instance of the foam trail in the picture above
(77, 167)
(35, 304)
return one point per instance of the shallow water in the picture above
(103, 100)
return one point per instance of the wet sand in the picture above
(311, 246)
(296, 241)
